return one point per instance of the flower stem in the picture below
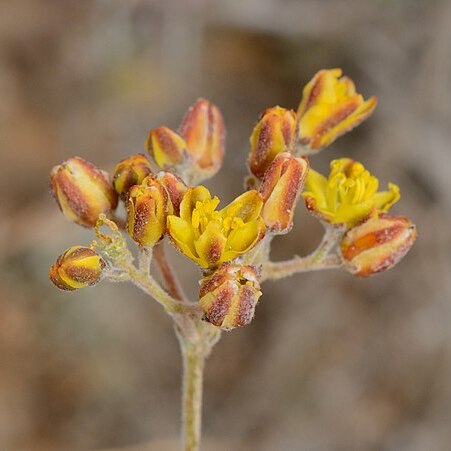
(320, 258)
(195, 348)
(172, 283)
(279, 270)
(193, 370)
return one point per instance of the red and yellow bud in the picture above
(82, 191)
(147, 209)
(210, 237)
(228, 297)
(282, 183)
(166, 147)
(330, 107)
(174, 186)
(203, 130)
(274, 133)
(377, 244)
(77, 267)
(130, 171)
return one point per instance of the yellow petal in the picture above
(352, 214)
(243, 239)
(247, 206)
(193, 195)
(182, 235)
(385, 199)
(362, 112)
(210, 246)
(316, 187)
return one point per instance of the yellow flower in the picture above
(348, 195)
(330, 107)
(211, 237)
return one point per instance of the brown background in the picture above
(330, 362)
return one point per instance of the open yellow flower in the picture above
(211, 237)
(348, 195)
(330, 107)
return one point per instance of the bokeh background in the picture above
(330, 362)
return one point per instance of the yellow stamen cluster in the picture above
(211, 237)
(348, 195)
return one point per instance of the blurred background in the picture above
(330, 362)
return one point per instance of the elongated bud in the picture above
(282, 183)
(174, 186)
(330, 107)
(82, 191)
(77, 267)
(273, 134)
(228, 297)
(166, 147)
(377, 244)
(130, 171)
(147, 208)
(203, 130)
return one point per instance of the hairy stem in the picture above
(195, 350)
(193, 369)
(286, 268)
(319, 259)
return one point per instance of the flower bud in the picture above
(377, 244)
(273, 134)
(203, 130)
(174, 186)
(282, 183)
(130, 171)
(82, 191)
(166, 147)
(228, 296)
(147, 208)
(330, 107)
(76, 268)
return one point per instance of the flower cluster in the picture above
(162, 197)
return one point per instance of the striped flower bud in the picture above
(130, 171)
(330, 107)
(147, 208)
(166, 147)
(377, 244)
(77, 267)
(82, 191)
(228, 297)
(203, 130)
(273, 134)
(174, 186)
(282, 183)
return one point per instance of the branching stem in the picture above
(319, 259)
